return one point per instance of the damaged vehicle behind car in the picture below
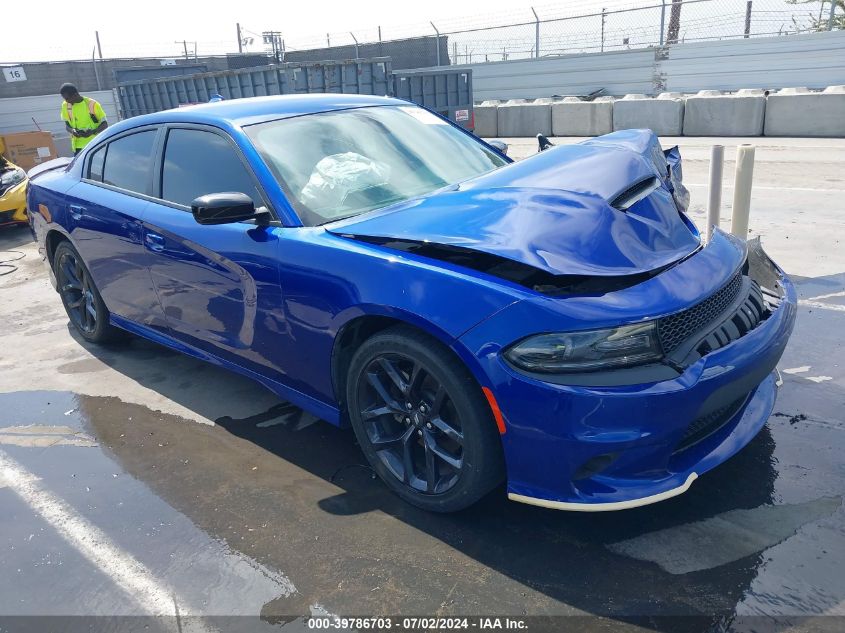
(12, 193)
(554, 323)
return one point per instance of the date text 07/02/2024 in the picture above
(415, 623)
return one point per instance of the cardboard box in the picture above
(28, 149)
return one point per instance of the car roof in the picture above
(250, 110)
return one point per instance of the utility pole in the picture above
(674, 22)
(273, 38)
(99, 48)
(747, 19)
(96, 72)
(240, 39)
(603, 18)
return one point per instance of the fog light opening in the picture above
(594, 466)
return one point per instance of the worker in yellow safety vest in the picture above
(84, 117)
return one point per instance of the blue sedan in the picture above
(554, 323)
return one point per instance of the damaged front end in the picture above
(587, 218)
(13, 184)
(650, 333)
(625, 399)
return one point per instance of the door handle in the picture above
(154, 241)
(76, 212)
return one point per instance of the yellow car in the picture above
(13, 183)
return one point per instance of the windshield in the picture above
(335, 165)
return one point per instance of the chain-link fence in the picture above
(578, 26)
(549, 31)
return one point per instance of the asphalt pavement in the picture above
(136, 482)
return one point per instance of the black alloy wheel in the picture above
(422, 421)
(82, 301)
(411, 423)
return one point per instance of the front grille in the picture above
(676, 328)
(745, 318)
(705, 426)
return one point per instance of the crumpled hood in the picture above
(551, 212)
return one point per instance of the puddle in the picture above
(42, 436)
(724, 538)
(65, 495)
(215, 511)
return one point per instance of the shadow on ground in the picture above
(347, 537)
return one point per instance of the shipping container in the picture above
(443, 90)
(145, 73)
(447, 91)
(356, 76)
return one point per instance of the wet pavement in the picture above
(135, 481)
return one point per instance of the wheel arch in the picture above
(357, 328)
(52, 240)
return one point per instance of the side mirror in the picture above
(499, 145)
(225, 208)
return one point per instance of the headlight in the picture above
(622, 346)
(12, 177)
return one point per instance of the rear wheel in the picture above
(422, 422)
(82, 301)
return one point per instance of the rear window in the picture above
(95, 166)
(128, 162)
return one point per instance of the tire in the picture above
(422, 421)
(80, 297)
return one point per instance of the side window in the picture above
(95, 166)
(128, 162)
(197, 163)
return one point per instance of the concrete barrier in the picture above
(799, 112)
(486, 119)
(664, 115)
(710, 113)
(573, 117)
(519, 117)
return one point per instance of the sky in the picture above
(152, 27)
(45, 30)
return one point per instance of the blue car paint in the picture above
(542, 227)
(109, 231)
(269, 302)
(561, 426)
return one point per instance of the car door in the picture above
(105, 210)
(218, 285)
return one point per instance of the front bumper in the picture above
(591, 448)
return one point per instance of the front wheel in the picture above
(82, 300)
(422, 421)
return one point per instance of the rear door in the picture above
(218, 284)
(105, 212)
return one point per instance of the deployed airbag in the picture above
(337, 176)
